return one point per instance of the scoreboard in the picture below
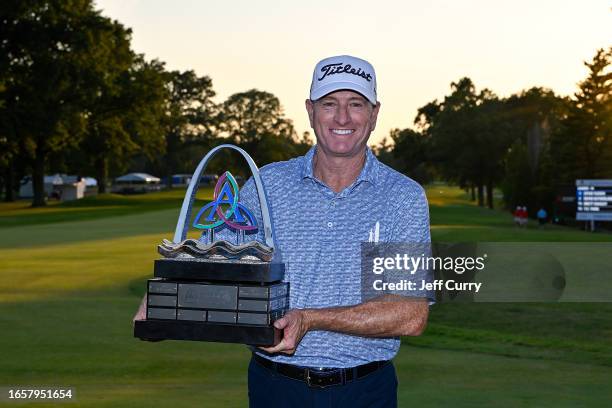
(594, 200)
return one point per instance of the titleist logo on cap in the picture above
(340, 68)
(343, 72)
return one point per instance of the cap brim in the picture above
(338, 86)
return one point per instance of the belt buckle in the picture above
(309, 380)
(307, 377)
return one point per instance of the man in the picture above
(517, 216)
(542, 217)
(337, 345)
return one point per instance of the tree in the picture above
(446, 125)
(584, 148)
(55, 57)
(534, 117)
(255, 120)
(104, 133)
(468, 137)
(191, 117)
(8, 149)
(126, 117)
(409, 154)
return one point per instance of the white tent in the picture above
(134, 183)
(60, 186)
(137, 178)
(90, 182)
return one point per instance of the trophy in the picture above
(213, 290)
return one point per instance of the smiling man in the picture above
(337, 346)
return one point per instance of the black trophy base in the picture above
(213, 311)
(155, 330)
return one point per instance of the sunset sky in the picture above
(417, 47)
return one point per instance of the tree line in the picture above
(76, 98)
(530, 144)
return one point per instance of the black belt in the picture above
(320, 378)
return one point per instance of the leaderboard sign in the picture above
(594, 200)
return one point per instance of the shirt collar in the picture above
(369, 172)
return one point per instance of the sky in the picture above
(417, 47)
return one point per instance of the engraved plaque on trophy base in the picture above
(223, 311)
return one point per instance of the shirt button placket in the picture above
(330, 214)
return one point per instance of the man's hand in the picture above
(141, 314)
(294, 326)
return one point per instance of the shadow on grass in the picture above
(84, 340)
(95, 207)
(571, 332)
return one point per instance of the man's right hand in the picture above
(294, 326)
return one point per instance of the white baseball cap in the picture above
(343, 72)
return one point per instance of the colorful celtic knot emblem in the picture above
(225, 208)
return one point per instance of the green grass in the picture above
(455, 219)
(71, 277)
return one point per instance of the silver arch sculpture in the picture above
(182, 225)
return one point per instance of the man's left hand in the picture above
(294, 326)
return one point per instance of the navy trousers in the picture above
(268, 389)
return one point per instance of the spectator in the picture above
(542, 217)
(517, 216)
(523, 216)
